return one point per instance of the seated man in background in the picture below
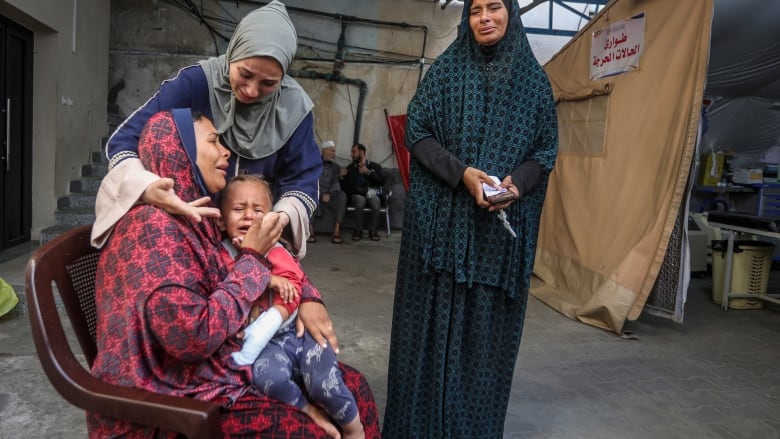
(360, 183)
(332, 198)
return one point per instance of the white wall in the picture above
(69, 92)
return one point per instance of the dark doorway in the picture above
(16, 62)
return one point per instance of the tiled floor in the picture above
(715, 376)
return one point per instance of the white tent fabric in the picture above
(744, 79)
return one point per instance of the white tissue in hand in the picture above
(490, 191)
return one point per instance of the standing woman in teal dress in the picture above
(485, 108)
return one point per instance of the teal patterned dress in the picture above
(463, 280)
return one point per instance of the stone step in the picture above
(86, 184)
(99, 156)
(75, 216)
(78, 207)
(83, 199)
(98, 170)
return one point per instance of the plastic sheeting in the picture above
(743, 80)
(396, 125)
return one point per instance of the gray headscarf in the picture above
(258, 130)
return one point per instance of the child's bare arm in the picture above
(284, 288)
(254, 313)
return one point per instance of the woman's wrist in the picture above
(312, 299)
(255, 254)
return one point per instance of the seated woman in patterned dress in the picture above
(169, 309)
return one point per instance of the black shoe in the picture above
(357, 235)
(373, 235)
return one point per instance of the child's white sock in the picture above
(257, 335)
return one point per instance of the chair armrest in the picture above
(194, 418)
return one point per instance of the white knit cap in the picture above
(328, 144)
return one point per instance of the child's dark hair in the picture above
(196, 115)
(252, 178)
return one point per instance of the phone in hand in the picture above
(497, 196)
(505, 196)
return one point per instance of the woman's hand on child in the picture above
(314, 317)
(160, 194)
(264, 232)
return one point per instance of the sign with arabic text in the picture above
(617, 48)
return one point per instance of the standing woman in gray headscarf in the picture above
(262, 115)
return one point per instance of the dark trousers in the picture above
(336, 206)
(360, 202)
